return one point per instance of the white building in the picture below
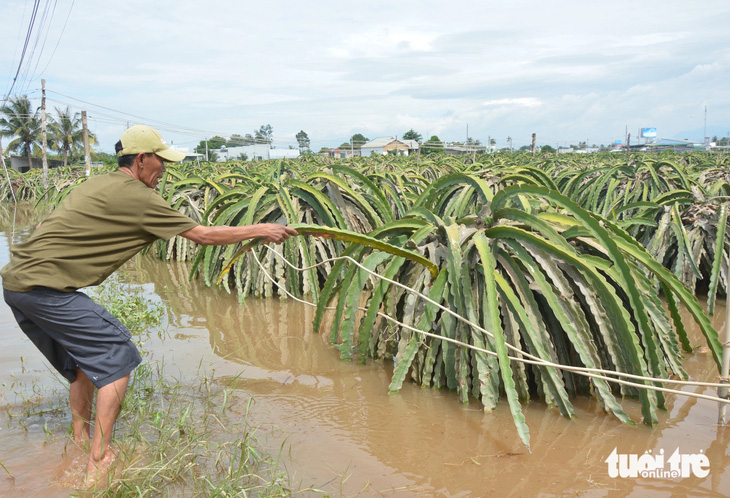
(261, 152)
(283, 153)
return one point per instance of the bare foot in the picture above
(100, 472)
(83, 442)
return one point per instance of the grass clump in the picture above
(177, 439)
(181, 437)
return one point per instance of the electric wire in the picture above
(530, 359)
(45, 23)
(58, 42)
(33, 15)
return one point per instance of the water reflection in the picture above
(338, 416)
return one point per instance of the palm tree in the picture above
(19, 120)
(67, 133)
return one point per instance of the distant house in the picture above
(340, 153)
(20, 163)
(384, 145)
(678, 145)
(284, 153)
(458, 150)
(261, 152)
(190, 157)
(413, 145)
(252, 152)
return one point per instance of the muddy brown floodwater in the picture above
(340, 431)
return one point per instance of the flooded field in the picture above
(337, 430)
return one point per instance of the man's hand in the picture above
(273, 232)
(222, 235)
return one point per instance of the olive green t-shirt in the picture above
(100, 225)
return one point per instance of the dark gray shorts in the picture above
(73, 332)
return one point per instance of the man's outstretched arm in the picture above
(222, 235)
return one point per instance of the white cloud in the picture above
(521, 102)
(382, 41)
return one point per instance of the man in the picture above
(99, 226)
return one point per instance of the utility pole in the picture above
(628, 147)
(466, 142)
(418, 157)
(44, 138)
(206, 149)
(533, 143)
(85, 131)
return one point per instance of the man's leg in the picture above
(108, 402)
(81, 397)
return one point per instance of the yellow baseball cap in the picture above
(144, 139)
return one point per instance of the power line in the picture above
(38, 32)
(58, 42)
(25, 45)
(45, 24)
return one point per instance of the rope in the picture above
(529, 359)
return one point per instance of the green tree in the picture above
(412, 135)
(303, 140)
(19, 120)
(433, 145)
(104, 157)
(213, 143)
(547, 149)
(264, 134)
(67, 134)
(237, 140)
(358, 140)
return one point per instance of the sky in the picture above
(568, 71)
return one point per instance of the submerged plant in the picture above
(537, 274)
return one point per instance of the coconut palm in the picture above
(19, 120)
(66, 133)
